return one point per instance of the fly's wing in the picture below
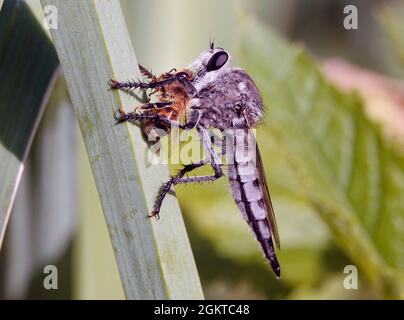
(265, 190)
(267, 197)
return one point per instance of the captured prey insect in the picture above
(214, 95)
(174, 94)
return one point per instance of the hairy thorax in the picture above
(231, 100)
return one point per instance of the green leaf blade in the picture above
(154, 257)
(29, 67)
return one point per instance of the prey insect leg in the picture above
(172, 70)
(144, 71)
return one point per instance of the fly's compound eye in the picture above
(217, 61)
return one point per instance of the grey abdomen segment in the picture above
(248, 194)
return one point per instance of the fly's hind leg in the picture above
(180, 179)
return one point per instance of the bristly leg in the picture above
(179, 179)
(132, 84)
(148, 74)
(154, 105)
(141, 117)
(121, 116)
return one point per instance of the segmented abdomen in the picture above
(248, 194)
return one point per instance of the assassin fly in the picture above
(213, 95)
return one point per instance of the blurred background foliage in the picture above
(332, 146)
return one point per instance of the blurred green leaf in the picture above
(394, 28)
(331, 287)
(339, 162)
(28, 65)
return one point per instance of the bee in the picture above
(173, 99)
(215, 95)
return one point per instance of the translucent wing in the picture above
(267, 197)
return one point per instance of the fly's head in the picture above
(210, 64)
(227, 96)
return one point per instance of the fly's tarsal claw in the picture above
(120, 115)
(113, 84)
(127, 85)
(155, 215)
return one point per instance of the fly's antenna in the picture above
(211, 43)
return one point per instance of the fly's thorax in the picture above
(229, 99)
(226, 96)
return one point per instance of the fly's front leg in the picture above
(121, 116)
(178, 179)
(131, 84)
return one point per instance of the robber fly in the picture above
(214, 95)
